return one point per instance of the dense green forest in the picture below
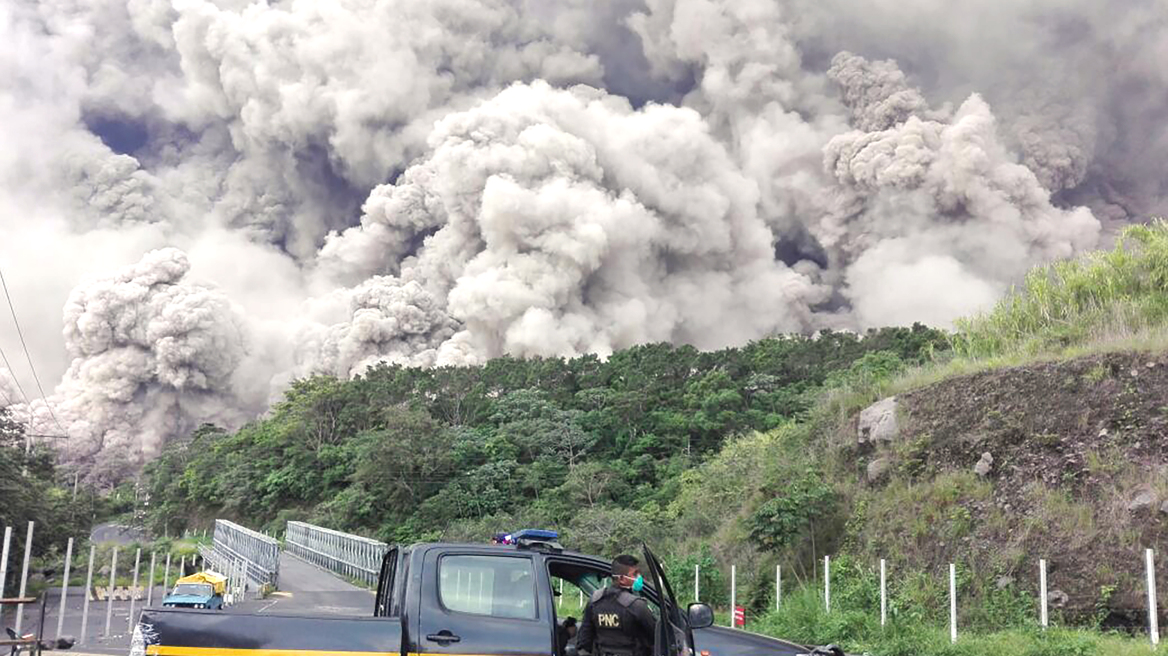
(597, 448)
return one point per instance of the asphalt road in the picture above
(306, 590)
(96, 641)
(116, 533)
(299, 576)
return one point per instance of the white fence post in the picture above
(697, 585)
(778, 586)
(733, 592)
(4, 559)
(1043, 615)
(64, 588)
(883, 593)
(133, 593)
(827, 583)
(24, 575)
(952, 603)
(150, 582)
(85, 605)
(560, 601)
(109, 602)
(1153, 617)
(166, 577)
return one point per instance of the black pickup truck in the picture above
(451, 600)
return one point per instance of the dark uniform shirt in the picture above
(617, 622)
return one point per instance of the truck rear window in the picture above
(498, 586)
(196, 589)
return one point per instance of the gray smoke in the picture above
(936, 209)
(381, 319)
(9, 392)
(439, 182)
(568, 222)
(153, 354)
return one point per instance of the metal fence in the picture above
(348, 555)
(235, 569)
(260, 553)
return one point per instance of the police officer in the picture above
(617, 622)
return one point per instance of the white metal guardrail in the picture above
(349, 555)
(260, 553)
(234, 569)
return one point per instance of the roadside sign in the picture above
(739, 616)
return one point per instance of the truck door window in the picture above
(499, 586)
(581, 581)
(386, 602)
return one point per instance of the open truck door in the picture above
(674, 630)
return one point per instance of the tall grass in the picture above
(854, 624)
(1117, 294)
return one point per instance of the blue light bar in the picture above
(537, 534)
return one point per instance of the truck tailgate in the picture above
(178, 632)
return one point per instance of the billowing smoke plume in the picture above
(223, 196)
(565, 222)
(936, 215)
(153, 354)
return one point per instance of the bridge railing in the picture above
(235, 569)
(349, 555)
(260, 553)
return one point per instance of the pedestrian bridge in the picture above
(315, 568)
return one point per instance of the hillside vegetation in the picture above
(32, 489)
(1033, 431)
(597, 448)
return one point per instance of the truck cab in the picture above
(442, 599)
(484, 599)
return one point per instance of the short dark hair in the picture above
(623, 564)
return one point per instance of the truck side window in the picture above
(498, 586)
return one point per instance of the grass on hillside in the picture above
(802, 619)
(1103, 296)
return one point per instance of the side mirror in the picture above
(700, 616)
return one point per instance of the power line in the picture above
(20, 333)
(11, 371)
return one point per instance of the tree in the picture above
(588, 484)
(786, 518)
(28, 491)
(404, 462)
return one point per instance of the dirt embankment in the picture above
(1073, 468)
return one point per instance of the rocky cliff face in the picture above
(1066, 461)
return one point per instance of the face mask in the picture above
(638, 583)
